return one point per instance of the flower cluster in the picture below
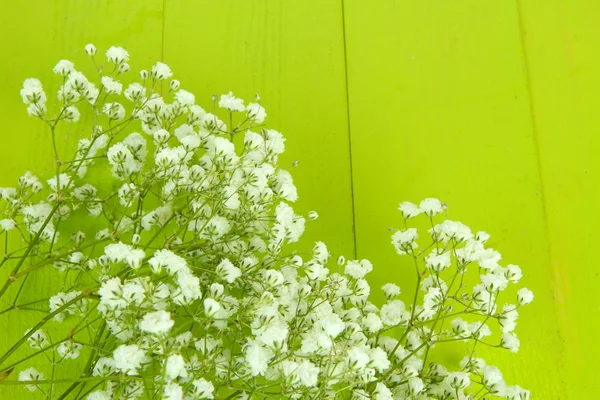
(178, 284)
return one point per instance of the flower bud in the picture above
(174, 85)
(216, 290)
(124, 68)
(90, 49)
(524, 296)
(341, 260)
(211, 307)
(135, 239)
(144, 74)
(312, 215)
(161, 137)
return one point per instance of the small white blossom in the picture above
(158, 322)
(117, 55)
(30, 374)
(161, 71)
(231, 103)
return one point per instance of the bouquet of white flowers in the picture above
(177, 283)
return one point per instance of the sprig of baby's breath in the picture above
(176, 282)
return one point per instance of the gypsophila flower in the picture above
(409, 210)
(116, 55)
(178, 281)
(161, 71)
(63, 68)
(31, 374)
(525, 296)
(158, 322)
(231, 103)
(129, 359)
(256, 112)
(111, 86)
(90, 49)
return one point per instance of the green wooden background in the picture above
(491, 106)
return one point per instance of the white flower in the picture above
(30, 374)
(415, 386)
(111, 86)
(117, 55)
(105, 366)
(525, 296)
(358, 269)
(382, 392)
(508, 318)
(438, 262)
(373, 323)
(99, 395)
(38, 339)
(510, 342)
(184, 98)
(158, 322)
(71, 114)
(227, 271)
(231, 103)
(114, 111)
(90, 49)
(256, 112)
(135, 92)
(358, 358)
(491, 376)
(409, 210)
(129, 358)
(404, 240)
(63, 68)
(513, 273)
(175, 367)
(8, 224)
(167, 259)
(172, 391)
(390, 290)
(394, 313)
(203, 388)
(493, 282)
(68, 349)
(211, 307)
(308, 373)
(379, 359)
(257, 357)
(431, 207)
(33, 92)
(161, 71)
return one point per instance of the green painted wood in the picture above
(291, 53)
(563, 53)
(489, 106)
(439, 107)
(36, 34)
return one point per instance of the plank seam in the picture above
(349, 130)
(162, 37)
(535, 135)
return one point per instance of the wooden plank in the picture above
(439, 107)
(291, 53)
(36, 34)
(562, 40)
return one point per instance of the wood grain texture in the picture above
(439, 107)
(489, 106)
(291, 53)
(562, 42)
(36, 34)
